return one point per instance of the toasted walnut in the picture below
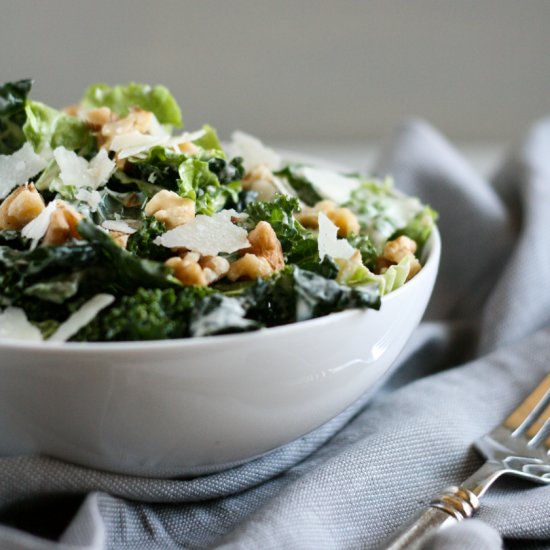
(138, 120)
(63, 224)
(309, 216)
(265, 244)
(120, 238)
(261, 180)
(345, 220)
(97, 118)
(191, 269)
(395, 251)
(249, 267)
(21, 207)
(189, 148)
(171, 209)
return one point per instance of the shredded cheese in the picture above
(254, 152)
(77, 172)
(118, 225)
(37, 228)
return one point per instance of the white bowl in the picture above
(183, 407)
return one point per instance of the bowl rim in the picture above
(432, 250)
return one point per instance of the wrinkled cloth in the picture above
(484, 344)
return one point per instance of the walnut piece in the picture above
(191, 269)
(265, 244)
(171, 209)
(395, 251)
(343, 218)
(21, 207)
(63, 224)
(249, 267)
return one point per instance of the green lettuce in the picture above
(47, 126)
(419, 228)
(156, 99)
(13, 98)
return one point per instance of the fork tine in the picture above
(539, 432)
(536, 407)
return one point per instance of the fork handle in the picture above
(448, 508)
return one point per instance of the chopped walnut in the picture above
(138, 120)
(63, 224)
(21, 207)
(120, 238)
(261, 180)
(395, 251)
(191, 269)
(97, 118)
(171, 209)
(265, 244)
(343, 218)
(249, 267)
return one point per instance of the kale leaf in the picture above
(13, 98)
(303, 187)
(141, 242)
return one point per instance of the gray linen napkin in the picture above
(485, 343)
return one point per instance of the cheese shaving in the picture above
(118, 225)
(81, 317)
(330, 185)
(77, 172)
(37, 228)
(18, 168)
(14, 325)
(207, 235)
(328, 241)
(91, 198)
(254, 152)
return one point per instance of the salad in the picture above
(117, 225)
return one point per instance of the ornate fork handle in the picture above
(447, 508)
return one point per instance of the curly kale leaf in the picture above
(13, 98)
(295, 294)
(141, 242)
(299, 245)
(124, 270)
(148, 314)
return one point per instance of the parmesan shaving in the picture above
(37, 228)
(328, 241)
(207, 235)
(14, 325)
(91, 198)
(18, 168)
(254, 152)
(77, 172)
(330, 185)
(118, 225)
(81, 317)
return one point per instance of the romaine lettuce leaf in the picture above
(13, 97)
(47, 126)
(419, 228)
(156, 99)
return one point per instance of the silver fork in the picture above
(520, 446)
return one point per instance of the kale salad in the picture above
(117, 225)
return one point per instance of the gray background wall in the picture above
(478, 69)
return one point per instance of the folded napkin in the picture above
(483, 346)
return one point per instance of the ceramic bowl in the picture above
(186, 407)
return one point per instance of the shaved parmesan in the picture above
(18, 168)
(254, 152)
(37, 228)
(14, 325)
(207, 235)
(118, 225)
(77, 172)
(81, 317)
(328, 242)
(330, 185)
(91, 198)
(134, 142)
